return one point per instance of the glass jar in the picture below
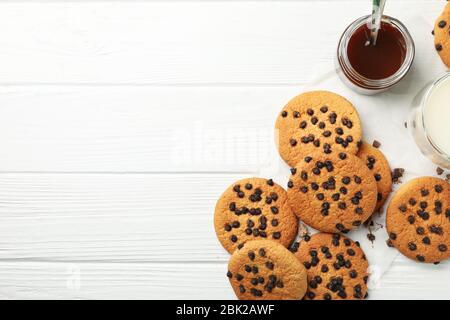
(429, 121)
(360, 83)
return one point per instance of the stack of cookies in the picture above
(337, 182)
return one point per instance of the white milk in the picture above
(437, 116)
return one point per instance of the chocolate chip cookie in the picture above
(418, 219)
(377, 163)
(332, 192)
(252, 209)
(442, 35)
(336, 266)
(317, 121)
(265, 270)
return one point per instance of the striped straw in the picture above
(375, 21)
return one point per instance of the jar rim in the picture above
(363, 81)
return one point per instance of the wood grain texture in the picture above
(161, 43)
(41, 280)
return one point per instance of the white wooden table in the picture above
(121, 123)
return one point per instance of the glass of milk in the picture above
(430, 123)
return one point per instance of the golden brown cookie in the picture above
(317, 120)
(337, 268)
(332, 192)
(252, 209)
(377, 163)
(418, 219)
(442, 35)
(265, 270)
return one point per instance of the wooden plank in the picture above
(110, 217)
(85, 280)
(181, 43)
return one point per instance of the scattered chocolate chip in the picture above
(397, 174)
(371, 237)
(439, 171)
(376, 144)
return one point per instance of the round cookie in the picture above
(265, 270)
(442, 35)
(317, 120)
(252, 209)
(337, 268)
(377, 163)
(418, 219)
(332, 193)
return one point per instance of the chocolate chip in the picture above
(248, 231)
(353, 274)
(320, 196)
(284, 114)
(321, 125)
(229, 275)
(439, 47)
(274, 210)
(270, 182)
(241, 194)
(342, 205)
(241, 289)
(293, 142)
(392, 235)
(306, 237)
(350, 252)
(397, 174)
(442, 24)
(346, 180)
(389, 243)
(304, 175)
(276, 235)
(233, 238)
(376, 144)
(442, 248)
(304, 189)
(412, 201)
(436, 230)
(303, 124)
(357, 179)
(327, 148)
(332, 117)
(438, 188)
(403, 208)
(227, 227)
(307, 265)
(296, 114)
(412, 246)
(426, 240)
(342, 294)
(293, 171)
(371, 237)
(377, 176)
(424, 192)
(235, 224)
(314, 120)
(324, 109)
(439, 171)
(326, 133)
(420, 230)
(308, 159)
(340, 227)
(310, 112)
(359, 210)
(335, 196)
(420, 258)
(232, 206)
(290, 184)
(356, 223)
(324, 268)
(255, 270)
(251, 255)
(316, 171)
(423, 214)
(274, 196)
(411, 219)
(274, 222)
(247, 268)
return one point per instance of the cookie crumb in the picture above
(406, 125)
(397, 174)
(376, 143)
(439, 171)
(389, 243)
